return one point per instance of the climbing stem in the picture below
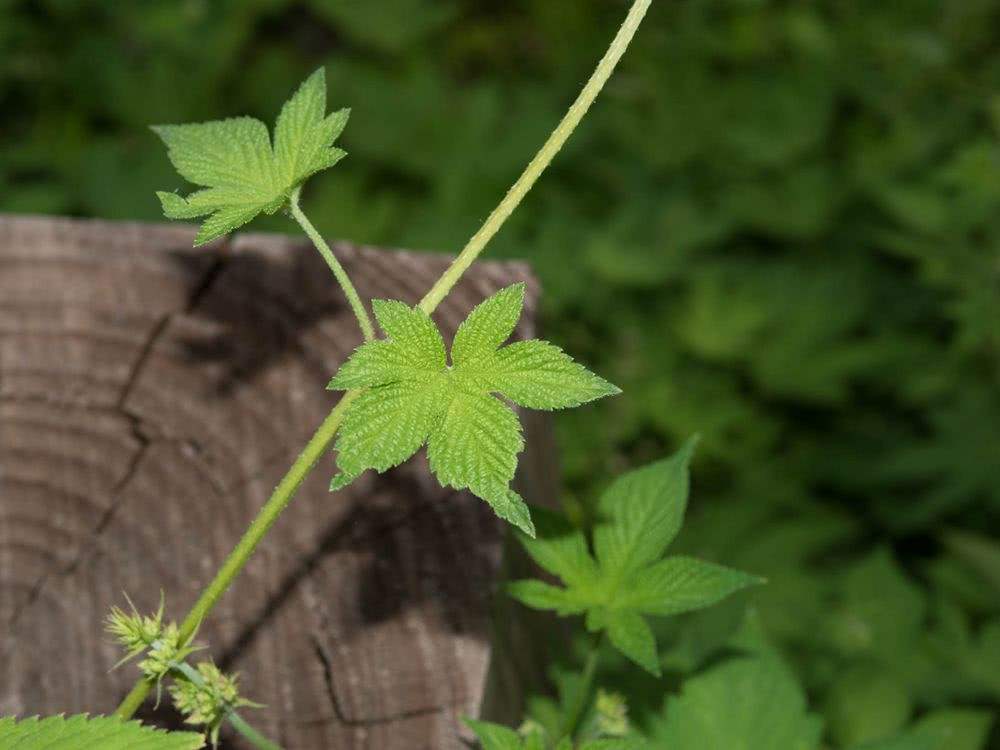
(282, 495)
(542, 159)
(321, 441)
(357, 306)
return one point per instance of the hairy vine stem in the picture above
(323, 438)
(542, 159)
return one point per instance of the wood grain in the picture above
(151, 396)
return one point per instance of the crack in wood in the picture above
(329, 543)
(327, 665)
(351, 594)
(138, 433)
(200, 289)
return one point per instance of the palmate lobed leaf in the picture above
(627, 577)
(240, 172)
(412, 397)
(82, 731)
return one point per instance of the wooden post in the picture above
(151, 395)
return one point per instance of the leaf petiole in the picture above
(357, 306)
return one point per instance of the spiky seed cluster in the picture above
(207, 701)
(143, 634)
(204, 696)
(612, 714)
(134, 632)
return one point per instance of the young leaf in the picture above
(241, 174)
(748, 702)
(82, 731)
(413, 397)
(494, 736)
(641, 514)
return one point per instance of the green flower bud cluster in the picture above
(140, 634)
(611, 714)
(532, 730)
(206, 696)
(134, 632)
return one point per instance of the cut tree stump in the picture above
(151, 396)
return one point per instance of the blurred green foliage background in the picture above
(780, 228)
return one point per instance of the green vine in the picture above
(303, 146)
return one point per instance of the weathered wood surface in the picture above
(151, 396)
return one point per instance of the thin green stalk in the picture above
(542, 159)
(238, 723)
(572, 719)
(254, 737)
(321, 441)
(357, 306)
(283, 493)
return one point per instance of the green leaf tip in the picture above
(240, 172)
(627, 577)
(413, 397)
(340, 481)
